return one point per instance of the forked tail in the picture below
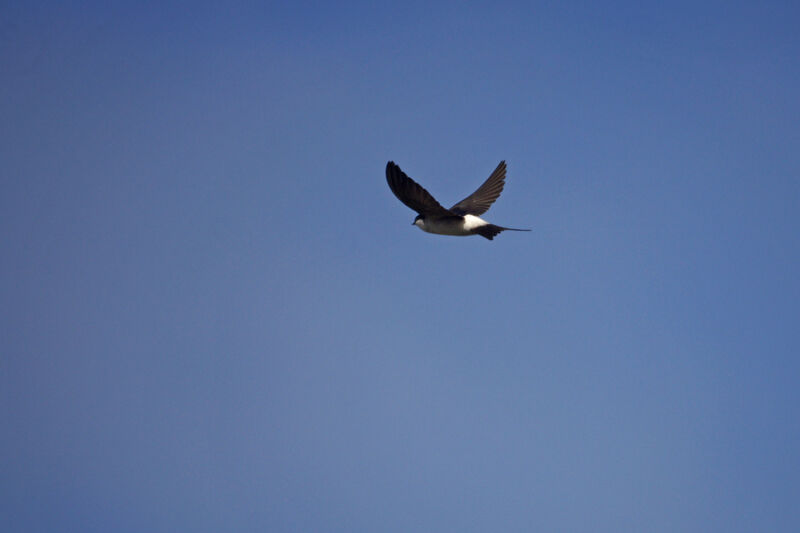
(490, 231)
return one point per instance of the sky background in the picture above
(217, 317)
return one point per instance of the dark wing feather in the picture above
(412, 193)
(481, 200)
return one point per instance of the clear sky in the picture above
(217, 317)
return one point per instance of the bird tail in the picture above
(490, 231)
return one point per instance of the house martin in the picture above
(462, 219)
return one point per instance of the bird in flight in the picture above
(462, 219)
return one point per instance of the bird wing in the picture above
(481, 200)
(412, 193)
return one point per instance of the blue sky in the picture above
(218, 317)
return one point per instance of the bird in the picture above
(460, 220)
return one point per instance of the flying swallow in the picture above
(462, 219)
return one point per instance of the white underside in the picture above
(452, 227)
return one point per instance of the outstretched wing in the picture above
(481, 200)
(412, 193)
